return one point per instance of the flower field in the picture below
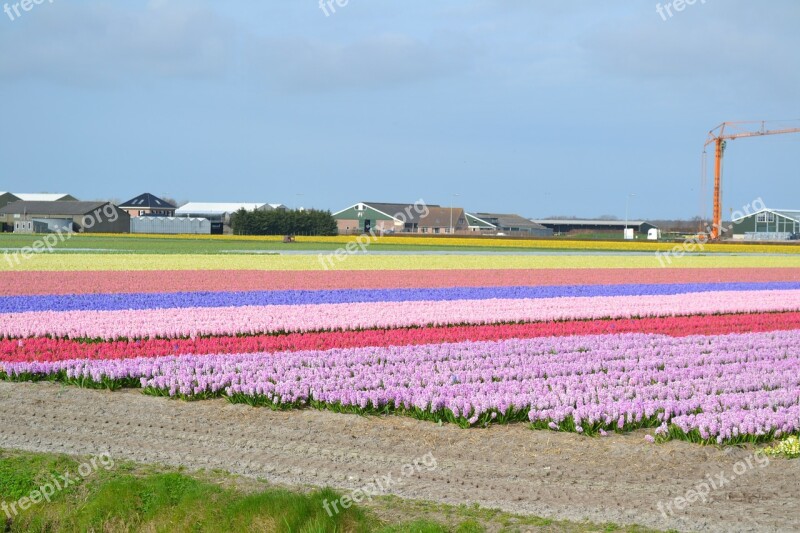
(707, 350)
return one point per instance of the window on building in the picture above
(765, 217)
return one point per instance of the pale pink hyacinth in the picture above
(189, 322)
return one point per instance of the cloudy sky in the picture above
(541, 108)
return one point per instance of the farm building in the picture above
(10, 197)
(218, 213)
(146, 205)
(476, 223)
(383, 217)
(428, 219)
(6, 198)
(578, 225)
(83, 217)
(444, 220)
(380, 217)
(514, 225)
(768, 224)
(171, 225)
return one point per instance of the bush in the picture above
(283, 222)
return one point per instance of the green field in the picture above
(155, 245)
(129, 497)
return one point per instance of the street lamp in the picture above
(627, 201)
(451, 211)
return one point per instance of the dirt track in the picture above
(619, 478)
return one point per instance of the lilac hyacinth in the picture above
(721, 387)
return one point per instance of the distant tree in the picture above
(283, 222)
(607, 217)
(169, 199)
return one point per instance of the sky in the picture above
(554, 108)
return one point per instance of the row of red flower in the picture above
(46, 349)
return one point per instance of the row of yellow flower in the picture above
(98, 262)
(546, 244)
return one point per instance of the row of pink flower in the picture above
(188, 322)
(22, 282)
(49, 349)
(722, 387)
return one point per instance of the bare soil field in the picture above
(620, 478)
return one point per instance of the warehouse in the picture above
(82, 217)
(768, 224)
(515, 225)
(10, 197)
(562, 226)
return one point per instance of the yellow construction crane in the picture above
(719, 136)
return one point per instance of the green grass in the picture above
(129, 497)
(155, 245)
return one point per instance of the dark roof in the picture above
(509, 220)
(147, 201)
(65, 208)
